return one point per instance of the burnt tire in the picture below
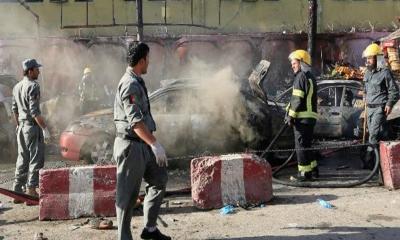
(99, 151)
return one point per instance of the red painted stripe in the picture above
(390, 164)
(54, 191)
(104, 186)
(257, 178)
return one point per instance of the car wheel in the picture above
(100, 151)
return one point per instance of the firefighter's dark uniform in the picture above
(303, 109)
(381, 90)
(135, 159)
(25, 103)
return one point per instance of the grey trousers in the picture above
(30, 156)
(135, 161)
(377, 127)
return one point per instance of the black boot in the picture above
(315, 172)
(369, 160)
(155, 235)
(303, 177)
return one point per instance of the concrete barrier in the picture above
(69, 193)
(390, 164)
(237, 179)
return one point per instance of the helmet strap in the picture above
(305, 67)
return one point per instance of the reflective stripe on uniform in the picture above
(305, 168)
(298, 93)
(309, 96)
(307, 115)
(314, 164)
(309, 112)
(292, 113)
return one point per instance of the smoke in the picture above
(212, 113)
(211, 117)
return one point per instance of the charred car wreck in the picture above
(204, 129)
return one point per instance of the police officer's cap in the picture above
(30, 63)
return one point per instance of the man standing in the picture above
(87, 89)
(302, 113)
(136, 150)
(381, 93)
(32, 131)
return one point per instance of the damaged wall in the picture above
(64, 59)
(226, 16)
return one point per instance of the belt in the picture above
(28, 122)
(376, 105)
(130, 138)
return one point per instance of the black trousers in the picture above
(303, 136)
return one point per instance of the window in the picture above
(353, 98)
(330, 96)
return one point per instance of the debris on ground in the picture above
(293, 225)
(101, 223)
(325, 204)
(39, 236)
(228, 209)
(177, 203)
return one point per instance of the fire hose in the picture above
(373, 172)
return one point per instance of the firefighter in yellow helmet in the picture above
(381, 93)
(87, 92)
(302, 113)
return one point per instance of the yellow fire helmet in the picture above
(301, 55)
(372, 50)
(87, 70)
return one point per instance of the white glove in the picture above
(159, 152)
(46, 135)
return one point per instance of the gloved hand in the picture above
(159, 152)
(289, 120)
(46, 135)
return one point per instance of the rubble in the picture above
(347, 72)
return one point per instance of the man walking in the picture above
(136, 150)
(32, 131)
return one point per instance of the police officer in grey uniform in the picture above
(136, 150)
(381, 93)
(32, 131)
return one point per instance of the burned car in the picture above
(192, 118)
(7, 122)
(340, 106)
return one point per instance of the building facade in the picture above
(116, 17)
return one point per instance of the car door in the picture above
(173, 120)
(351, 109)
(329, 123)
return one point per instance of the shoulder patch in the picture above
(132, 99)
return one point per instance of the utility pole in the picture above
(139, 14)
(312, 27)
